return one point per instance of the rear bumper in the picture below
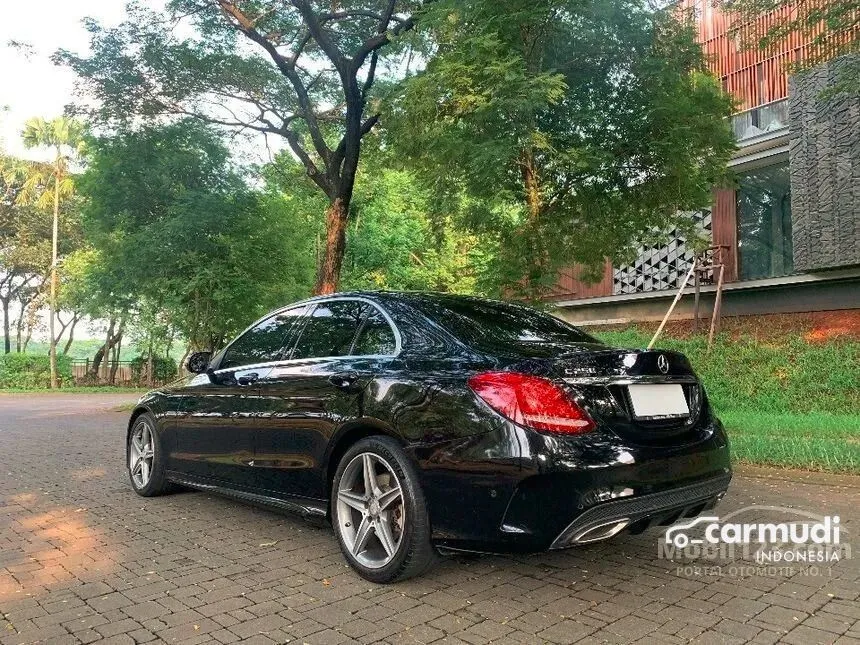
(638, 513)
(559, 494)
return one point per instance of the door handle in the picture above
(248, 379)
(343, 380)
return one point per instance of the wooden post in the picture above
(696, 281)
(718, 301)
(672, 306)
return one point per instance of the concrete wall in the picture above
(824, 153)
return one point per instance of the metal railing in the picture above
(764, 119)
(123, 376)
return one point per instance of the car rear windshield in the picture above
(485, 324)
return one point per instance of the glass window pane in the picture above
(264, 343)
(330, 330)
(764, 223)
(486, 325)
(376, 337)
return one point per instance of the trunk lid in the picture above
(648, 396)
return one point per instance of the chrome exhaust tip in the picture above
(596, 533)
(601, 531)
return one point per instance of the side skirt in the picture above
(313, 510)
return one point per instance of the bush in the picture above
(32, 371)
(165, 369)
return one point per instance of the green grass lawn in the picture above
(785, 402)
(809, 441)
(96, 389)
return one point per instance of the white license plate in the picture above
(658, 400)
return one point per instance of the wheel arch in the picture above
(138, 411)
(345, 437)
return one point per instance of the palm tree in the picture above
(47, 184)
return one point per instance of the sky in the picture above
(31, 85)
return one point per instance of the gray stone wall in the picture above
(824, 153)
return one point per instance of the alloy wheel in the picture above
(141, 454)
(370, 510)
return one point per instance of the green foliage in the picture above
(31, 371)
(598, 120)
(303, 71)
(397, 239)
(82, 349)
(164, 369)
(177, 231)
(786, 376)
(393, 244)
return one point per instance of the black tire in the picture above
(415, 553)
(156, 483)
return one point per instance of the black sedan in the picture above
(418, 423)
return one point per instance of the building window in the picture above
(764, 223)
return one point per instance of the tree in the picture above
(183, 244)
(52, 183)
(831, 27)
(575, 127)
(25, 246)
(302, 70)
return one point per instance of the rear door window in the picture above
(330, 330)
(376, 336)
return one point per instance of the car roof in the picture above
(408, 297)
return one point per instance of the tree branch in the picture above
(340, 151)
(287, 67)
(316, 30)
(380, 40)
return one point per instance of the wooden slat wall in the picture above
(724, 227)
(753, 76)
(570, 287)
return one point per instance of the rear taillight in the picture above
(531, 401)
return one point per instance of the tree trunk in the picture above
(117, 352)
(328, 275)
(54, 278)
(531, 184)
(183, 359)
(106, 355)
(75, 320)
(149, 376)
(116, 343)
(7, 341)
(102, 352)
(19, 328)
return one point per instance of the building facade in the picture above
(790, 228)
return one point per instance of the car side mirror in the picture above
(198, 362)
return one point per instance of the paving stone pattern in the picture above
(84, 560)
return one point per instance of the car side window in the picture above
(330, 329)
(376, 336)
(264, 342)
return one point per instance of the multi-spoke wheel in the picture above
(141, 454)
(379, 513)
(144, 461)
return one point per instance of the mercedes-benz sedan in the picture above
(422, 422)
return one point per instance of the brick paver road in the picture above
(83, 559)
